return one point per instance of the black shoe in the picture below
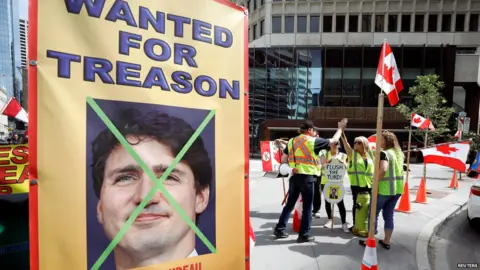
(351, 228)
(280, 234)
(306, 238)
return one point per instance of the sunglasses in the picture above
(358, 142)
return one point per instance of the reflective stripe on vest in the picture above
(390, 176)
(306, 158)
(356, 173)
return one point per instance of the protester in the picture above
(390, 185)
(360, 168)
(302, 156)
(326, 158)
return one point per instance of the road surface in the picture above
(456, 242)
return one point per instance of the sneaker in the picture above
(280, 234)
(304, 239)
(345, 228)
(328, 224)
(316, 215)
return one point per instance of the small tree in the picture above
(429, 103)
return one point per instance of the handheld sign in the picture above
(333, 192)
(335, 171)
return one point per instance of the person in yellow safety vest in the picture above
(390, 185)
(301, 154)
(326, 158)
(360, 168)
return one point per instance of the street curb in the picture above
(423, 240)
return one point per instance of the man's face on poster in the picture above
(159, 227)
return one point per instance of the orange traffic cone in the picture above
(454, 181)
(421, 193)
(369, 261)
(404, 205)
(297, 215)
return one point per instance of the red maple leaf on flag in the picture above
(278, 155)
(417, 120)
(446, 149)
(388, 74)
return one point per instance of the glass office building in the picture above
(10, 58)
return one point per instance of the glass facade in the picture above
(10, 57)
(286, 82)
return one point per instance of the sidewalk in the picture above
(335, 249)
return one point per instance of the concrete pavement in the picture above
(335, 249)
(453, 243)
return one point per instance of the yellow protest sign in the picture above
(140, 100)
(13, 169)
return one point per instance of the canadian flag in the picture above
(13, 109)
(452, 155)
(372, 141)
(388, 77)
(252, 239)
(271, 156)
(421, 122)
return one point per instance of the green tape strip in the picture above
(151, 175)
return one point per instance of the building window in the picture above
(392, 23)
(255, 31)
(314, 24)
(432, 22)
(301, 24)
(276, 24)
(405, 23)
(327, 23)
(353, 23)
(473, 24)
(379, 23)
(446, 22)
(262, 2)
(262, 28)
(289, 24)
(366, 23)
(419, 23)
(340, 23)
(460, 23)
(333, 77)
(254, 4)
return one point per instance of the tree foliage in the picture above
(429, 103)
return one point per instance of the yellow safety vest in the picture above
(328, 155)
(301, 155)
(358, 174)
(392, 183)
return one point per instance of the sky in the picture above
(23, 7)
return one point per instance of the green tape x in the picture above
(158, 182)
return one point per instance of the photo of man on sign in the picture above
(166, 220)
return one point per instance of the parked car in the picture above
(473, 206)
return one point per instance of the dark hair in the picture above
(306, 125)
(171, 131)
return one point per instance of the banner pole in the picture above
(408, 148)
(425, 164)
(333, 214)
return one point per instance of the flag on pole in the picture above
(13, 109)
(421, 122)
(452, 155)
(388, 77)
(372, 141)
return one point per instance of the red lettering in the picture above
(178, 268)
(4, 174)
(4, 155)
(24, 176)
(185, 267)
(20, 155)
(5, 190)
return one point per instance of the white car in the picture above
(473, 207)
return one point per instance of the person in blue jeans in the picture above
(390, 185)
(302, 155)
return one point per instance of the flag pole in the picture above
(408, 148)
(376, 175)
